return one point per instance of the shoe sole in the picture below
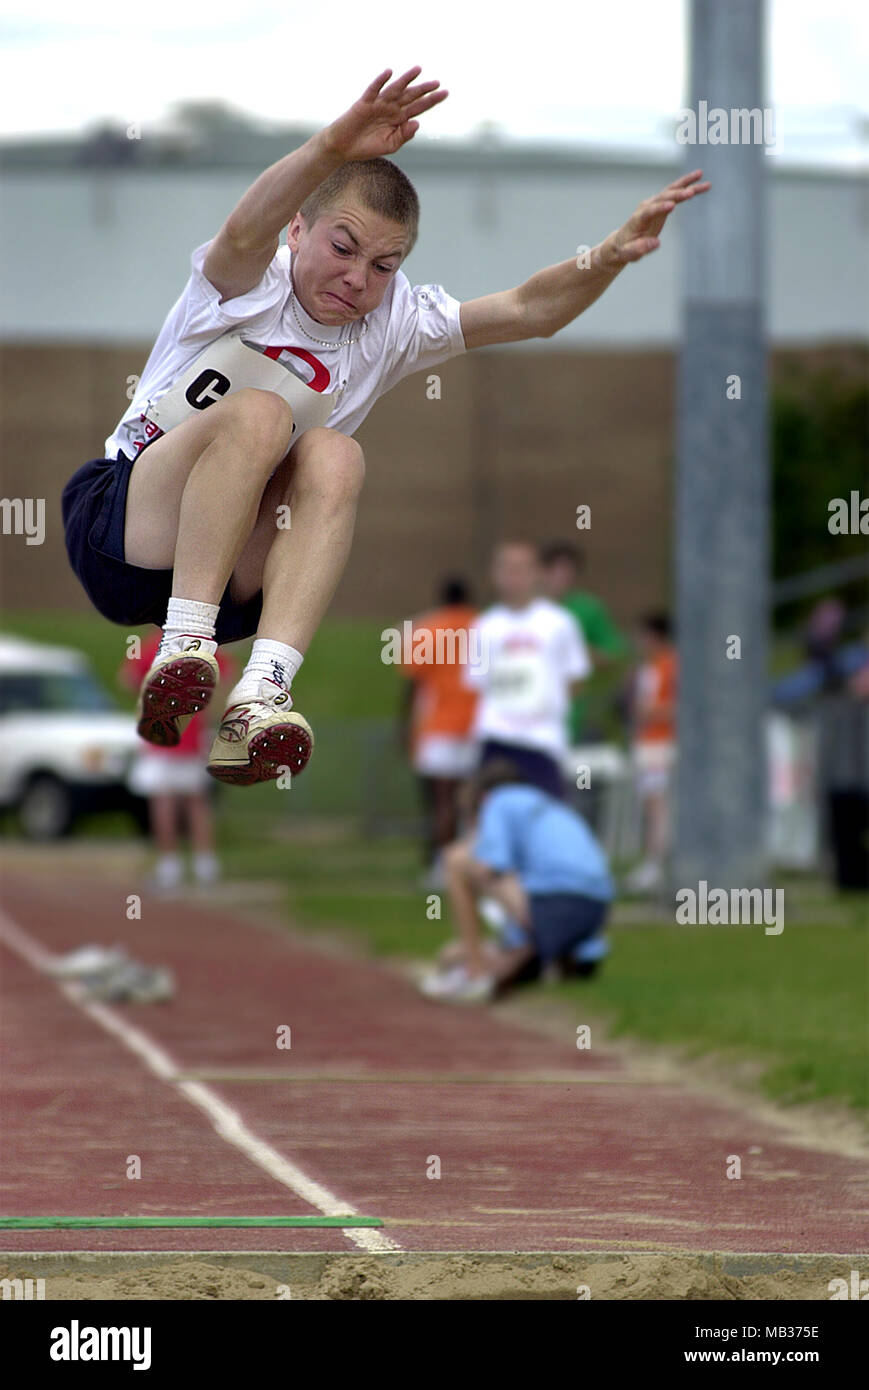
(286, 745)
(171, 697)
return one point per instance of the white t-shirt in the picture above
(529, 657)
(411, 329)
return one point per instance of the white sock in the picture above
(186, 617)
(271, 661)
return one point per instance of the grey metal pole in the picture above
(722, 511)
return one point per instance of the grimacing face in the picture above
(344, 262)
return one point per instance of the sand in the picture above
(652, 1277)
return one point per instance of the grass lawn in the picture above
(798, 1002)
(343, 676)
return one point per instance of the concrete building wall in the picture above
(516, 442)
(99, 255)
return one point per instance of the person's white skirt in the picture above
(654, 764)
(158, 774)
(443, 755)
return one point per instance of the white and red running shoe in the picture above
(260, 739)
(179, 684)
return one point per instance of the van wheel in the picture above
(45, 809)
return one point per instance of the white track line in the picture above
(226, 1121)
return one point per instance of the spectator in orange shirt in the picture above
(437, 715)
(653, 710)
(176, 785)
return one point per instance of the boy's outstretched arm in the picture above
(379, 123)
(560, 293)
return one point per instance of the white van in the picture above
(65, 748)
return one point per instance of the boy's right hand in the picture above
(382, 120)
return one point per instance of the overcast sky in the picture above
(549, 69)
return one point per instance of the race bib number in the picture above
(517, 684)
(230, 364)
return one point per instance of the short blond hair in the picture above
(378, 184)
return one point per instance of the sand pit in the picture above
(480, 1277)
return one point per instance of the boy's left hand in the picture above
(639, 236)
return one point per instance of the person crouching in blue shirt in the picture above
(535, 858)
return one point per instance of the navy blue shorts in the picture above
(562, 921)
(94, 512)
(538, 769)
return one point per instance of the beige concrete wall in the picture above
(517, 441)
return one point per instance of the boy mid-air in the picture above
(225, 505)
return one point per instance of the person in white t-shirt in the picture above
(226, 502)
(533, 659)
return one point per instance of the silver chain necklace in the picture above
(324, 342)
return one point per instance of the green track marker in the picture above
(85, 1223)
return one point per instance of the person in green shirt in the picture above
(562, 563)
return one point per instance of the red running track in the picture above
(597, 1160)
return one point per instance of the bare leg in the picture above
(445, 811)
(452, 954)
(204, 498)
(201, 823)
(427, 797)
(461, 887)
(507, 890)
(163, 816)
(657, 826)
(466, 880)
(298, 566)
(195, 494)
